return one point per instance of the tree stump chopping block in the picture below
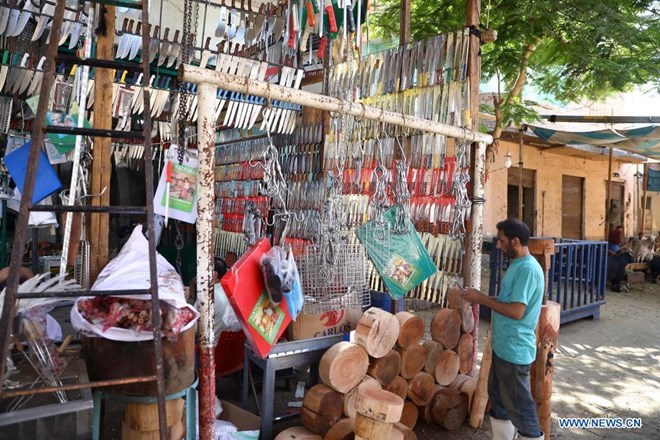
(322, 408)
(455, 301)
(351, 396)
(447, 368)
(406, 432)
(385, 369)
(421, 388)
(343, 366)
(449, 408)
(465, 346)
(398, 386)
(370, 429)
(297, 433)
(412, 360)
(467, 385)
(377, 331)
(379, 405)
(409, 414)
(434, 349)
(411, 329)
(446, 327)
(342, 430)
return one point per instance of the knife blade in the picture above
(176, 50)
(75, 35)
(42, 21)
(12, 22)
(66, 30)
(4, 19)
(4, 69)
(136, 41)
(26, 13)
(24, 75)
(36, 78)
(13, 72)
(123, 40)
(153, 45)
(165, 47)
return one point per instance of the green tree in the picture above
(571, 49)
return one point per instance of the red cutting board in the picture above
(263, 322)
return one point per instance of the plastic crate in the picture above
(229, 353)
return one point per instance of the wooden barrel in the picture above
(108, 359)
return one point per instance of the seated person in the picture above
(615, 239)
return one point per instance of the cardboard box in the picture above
(248, 424)
(328, 323)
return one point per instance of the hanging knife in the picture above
(23, 19)
(42, 21)
(75, 34)
(123, 40)
(164, 48)
(12, 22)
(36, 78)
(153, 45)
(25, 76)
(4, 19)
(136, 41)
(14, 71)
(4, 69)
(176, 50)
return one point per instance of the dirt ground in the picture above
(604, 368)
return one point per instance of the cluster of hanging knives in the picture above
(21, 74)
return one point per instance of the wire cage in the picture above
(336, 281)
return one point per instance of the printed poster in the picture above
(266, 318)
(183, 188)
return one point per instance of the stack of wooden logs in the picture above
(379, 386)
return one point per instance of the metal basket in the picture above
(335, 284)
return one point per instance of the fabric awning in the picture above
(644, 140)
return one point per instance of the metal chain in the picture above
(178, 243)
(183, 97)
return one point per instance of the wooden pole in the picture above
(472, 263)
(645, 185)
(99, 224)
(404, 30)
(520, 182)
(608, 196)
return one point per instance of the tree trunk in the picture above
(370, 429)
(322, 408)
(447, 368)
(465, 345)
(398, 386)
(449, 408)
(466, 384)
(455, 301)
(411, 329)
(412, 360)
(480, 398)
(351, 396)
(377, 331)
(446, 327)
(421, 388)
(342, 430)
(343, 366)
(435, 349)
(385, 369)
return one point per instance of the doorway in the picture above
(572, 207)
(615, 216)
(529, 199)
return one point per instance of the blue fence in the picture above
(576, 279)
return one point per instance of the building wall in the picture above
(549, 169)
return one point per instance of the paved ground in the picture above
(605, 368)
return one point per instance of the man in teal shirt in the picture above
(515, 315)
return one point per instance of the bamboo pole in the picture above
(233, 83)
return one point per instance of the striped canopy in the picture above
(643, 140)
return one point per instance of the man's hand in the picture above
(472, 295)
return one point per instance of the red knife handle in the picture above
(168, 172)
(310, 14)
(322, 44)
(331, 18)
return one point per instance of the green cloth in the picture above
(514, 340)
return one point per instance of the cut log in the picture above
(175, 432)
(322, 408)
(449, 408)
(421, 388)
(434, 350)
(455, 301)
(406, 432)
(447, 368)
(411, 329)
(446, 327)
(398, 386)
(342, 430)
(465, 346)
(409, 414)
(297, 433)
(351, 396)
(466, 384)
(370, 429)
(377, 331)
(480, 399)
(412, 360)
(379, 405)
(343, 366)
(385, 369)
(144, 416)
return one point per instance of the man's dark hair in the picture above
(512, 228)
